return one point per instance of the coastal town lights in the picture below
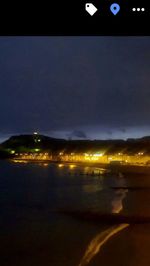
(92, 157)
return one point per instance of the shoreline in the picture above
(117, 168)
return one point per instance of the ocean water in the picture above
(42, 219)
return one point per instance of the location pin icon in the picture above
(115, 8)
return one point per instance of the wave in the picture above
(98, 241)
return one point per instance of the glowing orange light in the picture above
(72, 166)
(60, 165)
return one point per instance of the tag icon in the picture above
(90, 8)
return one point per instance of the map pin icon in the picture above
(115, 8)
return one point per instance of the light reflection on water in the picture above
(120, 194)
(100, 239)
(92, 188)
(116, 203)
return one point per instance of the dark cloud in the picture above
(77, 134)
(109, 132)
(123, 130)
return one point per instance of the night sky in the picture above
(75, 87)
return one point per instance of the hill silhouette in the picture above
(30, 143)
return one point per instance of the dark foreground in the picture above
(50, 215)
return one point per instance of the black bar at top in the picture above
(71, 19)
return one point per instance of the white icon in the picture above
(138, 9)
(90, 8)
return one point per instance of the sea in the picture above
(43, 221)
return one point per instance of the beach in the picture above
(43, 218)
